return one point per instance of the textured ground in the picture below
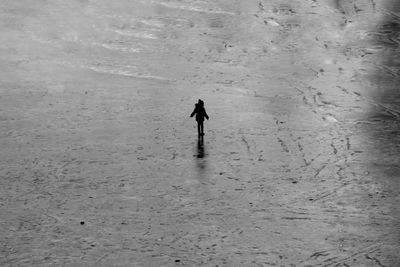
(100, 164)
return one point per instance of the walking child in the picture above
(201, 113)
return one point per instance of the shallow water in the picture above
(101, 164)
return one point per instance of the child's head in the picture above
(200, 103)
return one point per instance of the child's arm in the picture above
(194, 112)
(205, 114)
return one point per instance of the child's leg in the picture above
(198, 128)
(202, 128)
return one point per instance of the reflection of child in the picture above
(200, 112)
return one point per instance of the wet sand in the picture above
(101, 165)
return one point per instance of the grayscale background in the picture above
(100, 164)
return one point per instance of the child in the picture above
(200, 112)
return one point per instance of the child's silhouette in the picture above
(200, 112)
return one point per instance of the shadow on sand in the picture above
(200, 147)
(384, 131)
(386, 78)
(201, 161)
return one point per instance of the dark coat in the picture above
(200, 112)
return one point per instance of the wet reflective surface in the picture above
(100, 162)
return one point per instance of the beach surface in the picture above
(100, 162)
